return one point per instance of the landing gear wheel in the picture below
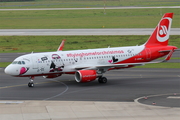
(102, 80)
(31, 84)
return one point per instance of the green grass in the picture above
(9, 44)
(175, 58)
(161, 65)
(86, 3)
(64, 19)
(4, 64)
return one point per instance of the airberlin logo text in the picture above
(164, 29)
(94, 53)
(87, 76)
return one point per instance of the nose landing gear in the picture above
(31, 84)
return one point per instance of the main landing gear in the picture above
(102, 79)
(31, 84)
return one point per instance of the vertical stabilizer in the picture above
(160, 36)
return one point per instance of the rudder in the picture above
(160, 36)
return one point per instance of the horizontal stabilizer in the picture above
(169, 55)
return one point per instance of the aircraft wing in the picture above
(108, 66)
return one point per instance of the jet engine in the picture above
(52, 76)
(86, 75)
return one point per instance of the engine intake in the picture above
(85, 75)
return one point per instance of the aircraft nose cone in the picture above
(8, 70)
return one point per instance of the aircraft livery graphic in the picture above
(89, 65)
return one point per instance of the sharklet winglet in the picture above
(61, 46)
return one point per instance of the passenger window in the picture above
(19, 62)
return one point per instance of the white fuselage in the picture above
(67, 61)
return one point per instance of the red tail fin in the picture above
(160, 36)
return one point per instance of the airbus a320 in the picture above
(88, 65)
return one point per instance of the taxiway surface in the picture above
(117, 31)
(123, 86)
(133, 94)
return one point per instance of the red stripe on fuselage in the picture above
(148, 54)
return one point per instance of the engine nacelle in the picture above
(52, 76)
(85, 75)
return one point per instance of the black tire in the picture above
(30, 84)
(102, 80)
(99, 80)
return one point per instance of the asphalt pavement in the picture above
(115, 31)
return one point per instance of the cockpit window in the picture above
(14, 62)
(18, 62)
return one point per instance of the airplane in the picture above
(90, 64)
